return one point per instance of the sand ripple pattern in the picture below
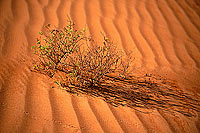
(164, 36)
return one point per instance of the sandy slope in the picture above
(164, 36)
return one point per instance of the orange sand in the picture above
(164, 36)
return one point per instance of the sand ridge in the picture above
(164, 37)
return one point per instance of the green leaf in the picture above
(41, 33)
(38, 42)
(33, 47)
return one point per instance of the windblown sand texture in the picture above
(164, 36)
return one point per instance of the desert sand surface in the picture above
(163, 35)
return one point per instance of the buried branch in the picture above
(104, 71)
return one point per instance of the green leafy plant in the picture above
(79, 65)
(59, 51)
(54, 47)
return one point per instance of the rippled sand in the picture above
(164, 36)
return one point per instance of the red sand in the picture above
(163, 35)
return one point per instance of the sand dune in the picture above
(163, 35)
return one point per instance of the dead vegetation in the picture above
(104, 71)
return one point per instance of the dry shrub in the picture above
(104, 71)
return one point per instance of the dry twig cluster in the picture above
(102, 70)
